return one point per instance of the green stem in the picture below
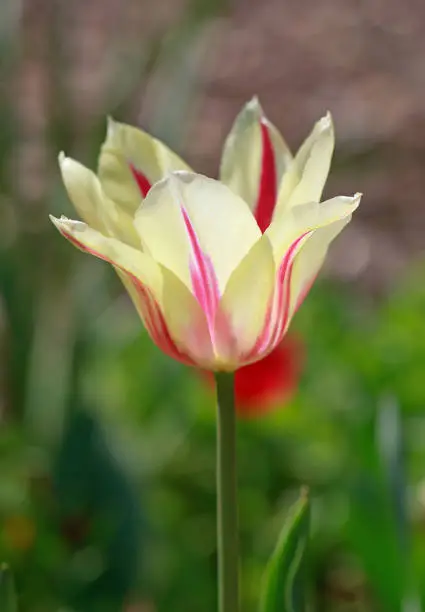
(227, 511)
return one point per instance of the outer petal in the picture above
(287, 226)
(278, 311)
(187, 217)
(243, 308)
(131, 161)
(254, 159)
(84, 191)
(305, 179)
(91, 203)
(170, 313)
(300, 266)
(310, 259)
(119, 254)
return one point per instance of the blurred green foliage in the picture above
(8, 599)
(107, 447)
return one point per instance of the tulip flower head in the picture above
(216, 269)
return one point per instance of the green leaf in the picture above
(284, 588)
(8, 601)
(377, 527)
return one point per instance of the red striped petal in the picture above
(278, 313)
(152, 315)
(141, 180)
(267, 194)
(156, 324)
(203, 276)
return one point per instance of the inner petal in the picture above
(244, 305)
(142, 182)
(254, 159)
(192, 223)
(204, 279)
(267, 191)
(130, 161)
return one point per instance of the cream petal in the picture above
(151, 313)
(134, 293)
(305, 179)
(310, 259)
(91, 203)
(279, 306)
(243, 308)
(188, 217)
(289, 225)
(168, 310)
(241, 162)
(84, 191)
(125, 258)
(186, 321)
(125, 147)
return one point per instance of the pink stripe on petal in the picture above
(141, 180)
(267, 194)
(263, 339)
(225, 341)
(156, 324)
(284, 310)
(203, 276)
(278, 311)
(283, 307)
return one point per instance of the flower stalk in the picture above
(227, 510)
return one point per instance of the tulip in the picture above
(216, 269)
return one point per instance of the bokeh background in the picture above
(107, 447)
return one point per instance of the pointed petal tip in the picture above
(66, 163)
(58, 223)
(355, 199)
(254, 102)
(326, 122)
(255, 107)
(351, 201)
(66, 224)
(110, 127)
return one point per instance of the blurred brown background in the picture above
(184, 70)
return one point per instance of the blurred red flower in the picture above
(268, 383)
